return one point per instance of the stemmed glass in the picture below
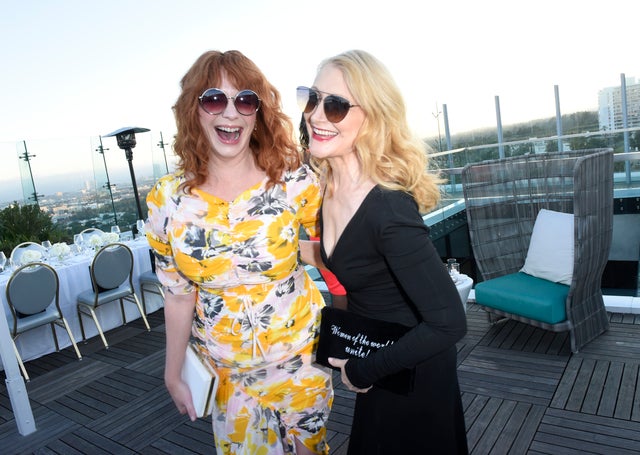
(140, 228)
(78, 241)
(116, 230)
(47, 247)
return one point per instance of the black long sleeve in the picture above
(392, 271)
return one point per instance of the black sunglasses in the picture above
(214, 101)
(335, 107)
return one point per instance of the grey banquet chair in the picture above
(504, 201)
(150, 283)
(33, 297)
(112, 279)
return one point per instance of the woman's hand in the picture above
(340, 363)
(181, 396)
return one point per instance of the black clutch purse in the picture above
(344, 334)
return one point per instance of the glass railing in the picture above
(84, 182)
(450, 163)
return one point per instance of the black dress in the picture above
(391, 271)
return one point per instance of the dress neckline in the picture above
(356, 213)
(212, 197)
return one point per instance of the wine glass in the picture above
(78, 241)
(140, 228)
(47, 247)
(115, 230)
(3, 260)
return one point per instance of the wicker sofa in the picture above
(503, 199)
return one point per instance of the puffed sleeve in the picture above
(304, 188)
(162, 201)
(414, 262)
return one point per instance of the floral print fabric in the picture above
(257, 310)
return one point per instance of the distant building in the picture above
(610, 106)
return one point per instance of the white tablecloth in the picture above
(464, 284)
(74, 278)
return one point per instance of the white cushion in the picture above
(550, 254)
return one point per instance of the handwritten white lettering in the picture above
(336, 330)
(358, 352)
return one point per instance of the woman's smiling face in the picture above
(229, 132)
(326, 139)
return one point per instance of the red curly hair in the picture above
(272, 141)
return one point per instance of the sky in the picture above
(73, 70)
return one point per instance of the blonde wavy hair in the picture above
(390, 154)
(272, 141)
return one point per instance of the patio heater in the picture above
(126, 138)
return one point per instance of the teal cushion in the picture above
(525, 295)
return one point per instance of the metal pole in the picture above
(164, 153)
(436, 115)
(447, 136)
(129, 154)
(25, 156)
(108, 185)
(625, 124)
(558, 118)
(499, 122)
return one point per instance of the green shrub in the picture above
(26, 223)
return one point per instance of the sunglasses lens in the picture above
(213, 101)
(247, 102)
(307, 99)
(336, 108)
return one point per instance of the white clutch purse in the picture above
(202, 381)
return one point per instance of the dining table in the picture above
(74, 277)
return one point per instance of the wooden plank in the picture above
(610, 390)
(594, 435)
(67, 379)
(492, 428)
(624, 405)
(84, 441)
(595, 387)
(532, 415)
(579, 390)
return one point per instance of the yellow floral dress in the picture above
(257, 310)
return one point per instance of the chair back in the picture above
(32, 288)
(503, 198)
(90, 235)
(27, 252)
(112, 266)
(90, 231)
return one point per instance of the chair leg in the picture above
(134, 299)
(95, 321)
(84, 337)
(73, 341)
(152, 289)
(55, 336)
(144, 302)
(124, 317)
(22, 368)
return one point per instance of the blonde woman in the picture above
(374, 240)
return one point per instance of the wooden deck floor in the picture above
(522, 390)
